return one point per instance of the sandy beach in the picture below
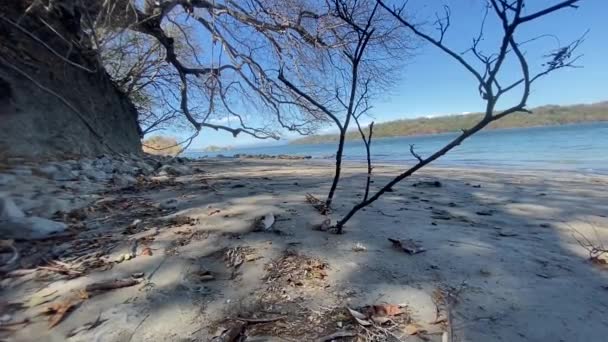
(501, 259)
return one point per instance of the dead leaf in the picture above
(204, 275)
(408, 246)
(387, 310)
(380, 319)
(317, 204)
(507, 233)
(59, 310)
(268, 221)
(263, 223)
(414, 329)
(232, 334)
(40, 298)
(146, 251)
(111, 285)
(83, 294)
(359, 317)
(598, 260)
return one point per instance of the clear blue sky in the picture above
(433, 84)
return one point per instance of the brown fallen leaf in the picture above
(386, 310)
(40, 298)
(59, 310)
(111, 285)
(214, 212)
(83, 294)
(413, 329)
(408, 246)
(317, 204)
(146, 251)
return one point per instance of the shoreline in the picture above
(485, 130)
(400, 165)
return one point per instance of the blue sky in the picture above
(432, 83)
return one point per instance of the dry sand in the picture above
(500, 243)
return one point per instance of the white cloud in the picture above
(223, 120)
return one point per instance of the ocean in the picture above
(577, 147)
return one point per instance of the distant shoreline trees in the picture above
(550, 115)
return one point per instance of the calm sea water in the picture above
(580, 147)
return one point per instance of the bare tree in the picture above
(511, 16)
(355, 70)
(209, 63)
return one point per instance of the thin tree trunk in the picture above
(337, 171)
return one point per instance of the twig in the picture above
(260, 320)
(416, 155)
(137, 327)
(336, 335)
(385, 214)
(13, 258)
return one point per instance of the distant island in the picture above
(213, 148)
(550, 115)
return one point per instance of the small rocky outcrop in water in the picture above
(269, 156)
(33, 196)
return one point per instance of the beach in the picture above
(499, 256)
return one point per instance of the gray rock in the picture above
(9, 210)
(6, 179)
(30, 228)
(58, 172)
(22, 171)
(96, 175)
(70, 164)
(123, 181)
(174, 170)
(126, 168)
(104, 164)
(86, 165)
(145, 168)
(48, 170)
(47, 206)
(168, 204)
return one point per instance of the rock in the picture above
(95, 175)
(6, 179)
(145, 168)
(86, 165)
(428, 184)
(58, 173)
(9, 210)
(123, 181)
(126, 168)
(268, 156)
(168, 204)
(30, 228)
(48, 206)
(48, 170)
(104, 164)
(22, 171)
(174, 170)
